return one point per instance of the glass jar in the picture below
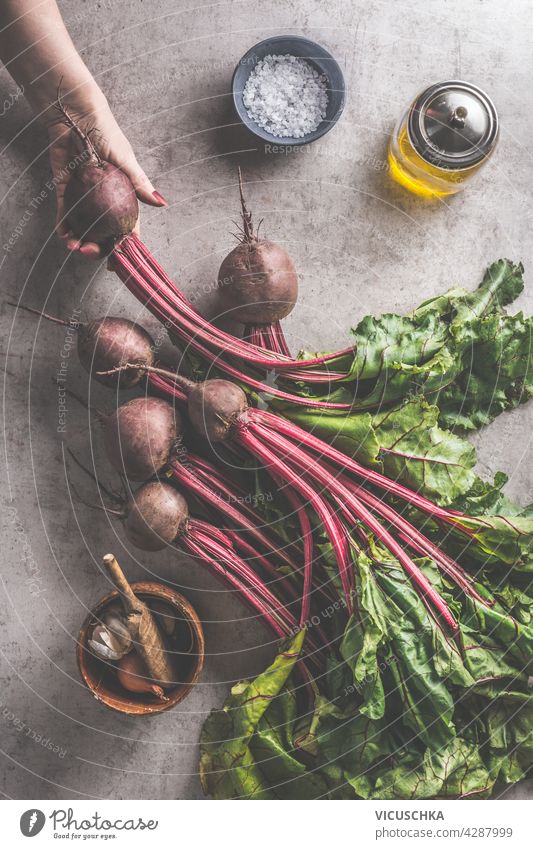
(443, 139)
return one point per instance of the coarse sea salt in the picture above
(286, 96)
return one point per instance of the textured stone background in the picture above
(361, 244)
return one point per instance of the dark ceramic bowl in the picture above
(313, 53)
(100, 676)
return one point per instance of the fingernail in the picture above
(160, 199)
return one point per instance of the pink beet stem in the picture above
(352, 507)
(230, 537)
(185, 312)
(250, 553)
(331, 524)
(307, 536)
(193, 546)
(201, 464)
(212, 335)
(252, 335)
(214, 478)
(265, 340)
(279, 339)
(419, 542)
(203, 533)
(201, 548)
(166, 387)
(207, 494)
(272, 337)
(412, 537)
(269, 337)
(226, 491)
(208, 477)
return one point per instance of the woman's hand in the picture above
(112, 145)
(40, 56)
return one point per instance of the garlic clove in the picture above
(102, 651)
(116, 623)
(110, 638)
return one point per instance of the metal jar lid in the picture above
(453, 125)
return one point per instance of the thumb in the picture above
(143, 187)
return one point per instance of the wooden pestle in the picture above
(143, 628)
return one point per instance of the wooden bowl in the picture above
(100, 675)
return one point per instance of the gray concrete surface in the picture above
(361, 244)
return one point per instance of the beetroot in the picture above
(155, 515)
(139, 436)
(257, 281)
(214, 407)
(100, 200)
(108, 343)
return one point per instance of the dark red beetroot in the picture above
(100, 200)
(155, 515)
(106, 342)
(257, 281)
(139, 436)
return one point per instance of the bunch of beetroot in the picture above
(144, 441)
(330, 494)
(326, 488)
(350, 535)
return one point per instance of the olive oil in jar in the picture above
(443, 139)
